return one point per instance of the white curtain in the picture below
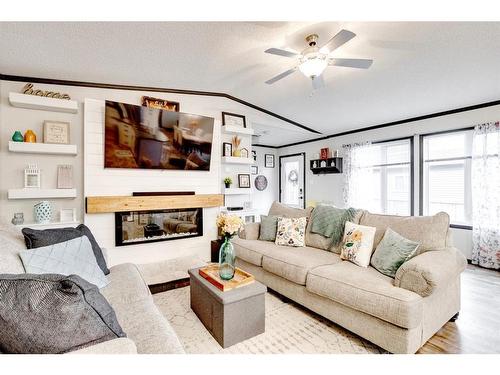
(358, 176)
(486, 195)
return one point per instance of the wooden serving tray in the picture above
(211, 274)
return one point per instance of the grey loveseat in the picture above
(147, 329)
(400, 314)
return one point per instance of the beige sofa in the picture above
(147, 329)
(400, 314)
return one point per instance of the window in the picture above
(446, 175)
(384, 178)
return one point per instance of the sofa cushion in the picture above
(252, 251)
(279, 209)
(126, 285)
(293, 263)
(430, 231)
(366, 290)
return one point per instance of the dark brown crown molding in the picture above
(99, 85)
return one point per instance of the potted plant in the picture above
(228, 182)
(228, 225)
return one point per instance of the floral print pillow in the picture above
(291, 231)
(358, 244)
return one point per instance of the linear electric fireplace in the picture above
(135, 227)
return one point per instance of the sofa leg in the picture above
(454, 317)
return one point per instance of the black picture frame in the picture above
(254, 155)
(254, 169)
(269, 161)
(224, 150)
(244, 180)
(229, 114)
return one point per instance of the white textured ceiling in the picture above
(418, 68)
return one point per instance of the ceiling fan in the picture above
(313, 60)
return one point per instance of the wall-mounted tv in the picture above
(149, 138)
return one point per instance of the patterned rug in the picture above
(290, 329)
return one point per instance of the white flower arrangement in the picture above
(229, 225)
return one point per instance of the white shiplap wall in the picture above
(101, 181)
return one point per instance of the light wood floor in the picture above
(477, 329)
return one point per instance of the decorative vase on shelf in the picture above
(226, 259)
(30, 136)
(17, 136)
(18, 218)
(237, 153)
(43, 212)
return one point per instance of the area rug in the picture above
(290, 329)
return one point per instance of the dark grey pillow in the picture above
(41, 238)
(53, 314)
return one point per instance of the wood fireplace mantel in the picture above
(106, 204)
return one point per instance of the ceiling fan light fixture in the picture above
(313, 67)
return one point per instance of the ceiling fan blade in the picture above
(281, 76)
(318, 82)
(343, 36)
(352, 63)
(281, 52)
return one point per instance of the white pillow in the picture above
(357, 246)
(291, 231)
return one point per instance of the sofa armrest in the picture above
(250, 231)
(121, 345)
(430, 270)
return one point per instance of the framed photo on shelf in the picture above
(227, 149)
(65, 177)
(244, 180)
(325, 153)
(244, 153)
(269, 160)
(56, 132)
(233, 119)
(254, 169)
(67, 214)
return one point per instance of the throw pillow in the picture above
(291, 231)
(268, 227)
(53, 314)
(392, 251)
(67, 258)
(358, 244)
(40, 238)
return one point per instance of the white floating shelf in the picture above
(52, 224)
(42, 148)
(43, 103)
(237, 130)
(236, 160)
(236, 191)
(35, 193)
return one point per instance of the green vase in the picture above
(17, 136)
(226, 259)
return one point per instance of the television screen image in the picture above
(150, 138)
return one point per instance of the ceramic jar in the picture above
(30, 136)
(17, 136)
(43, 212)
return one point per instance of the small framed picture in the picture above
(65, 177)
(227, 149)
(244, 180)
(67, 214)
(232, 119)
(244, 153)
(254, 169)
(56, 132)
(32, 176)
(269, 160)
(324, 153)
(254, 155)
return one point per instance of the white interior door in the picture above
(292, 180)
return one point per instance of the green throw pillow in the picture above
(392, 251)
(268, 226)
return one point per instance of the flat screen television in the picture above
(150, 138)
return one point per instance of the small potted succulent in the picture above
(228, 182)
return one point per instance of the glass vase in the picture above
(226, 260)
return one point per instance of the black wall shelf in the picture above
(333, 165)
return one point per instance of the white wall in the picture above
(262, 200)
(329, 187)
(116, 182)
